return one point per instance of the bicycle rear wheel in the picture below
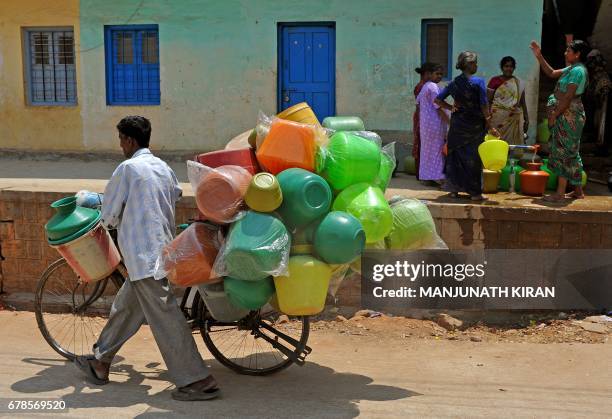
(257, 344)
(70, 313)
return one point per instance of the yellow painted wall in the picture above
(23, 126)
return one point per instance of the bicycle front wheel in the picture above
(70, 313)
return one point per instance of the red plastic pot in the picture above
(244, 157)
(533, 180)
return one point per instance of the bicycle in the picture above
(68, 314)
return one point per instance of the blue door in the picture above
(307, 68)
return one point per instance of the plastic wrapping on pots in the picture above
(413, 226)
(387, 166)
(257, 246)
(189, 258)
(283, 144)
(219, 192)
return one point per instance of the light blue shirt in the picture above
(140, 201)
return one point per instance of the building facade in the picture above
(202, 69)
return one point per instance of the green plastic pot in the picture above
(413, 225)
(306, 197)
(350, 159)
(250, 295)
(339, 238)
(255, 246)
(385, 172)
(344, 123)
(367, 203)
(70, 221)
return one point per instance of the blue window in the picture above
(50, 69)
(132, 65)
(437, 43)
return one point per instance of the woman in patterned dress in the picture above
(566, 118)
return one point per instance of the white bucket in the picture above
(93, 256)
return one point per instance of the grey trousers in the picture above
(152, 300)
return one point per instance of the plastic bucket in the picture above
(219, 305)
(413, 226)
(249, 295)
(490, 180)
(92, 256)
(264, 193)
(301, 113)
(244, 157)
(494, 154)
(339, 238)
(220, 193)
(303, 292)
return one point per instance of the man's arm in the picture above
(115, 197)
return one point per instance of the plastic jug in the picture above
(344, 123)
(303, 291)
(413, 225)
(256, 246)
(339, 238)
(504, 179)
(367, 203)
(494, 154)
(350, 159)
(306, 197)
(70, 221)
(533, 180)
(250, 295)
(288, 144)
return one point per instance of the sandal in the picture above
(573, 195)
(188, 394)
(83, 363)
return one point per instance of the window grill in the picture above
(436, 43)
(51, 66)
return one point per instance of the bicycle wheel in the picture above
(69, 312)
(256, 344)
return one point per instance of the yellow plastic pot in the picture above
(301, 113)
(303, 292)
(490, 137)
(494, 154)
(490, 180)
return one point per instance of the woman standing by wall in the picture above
(433, 126)
(468, 125)
(508, 108)
(566, 118)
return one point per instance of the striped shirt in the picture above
(139, 201)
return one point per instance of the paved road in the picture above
(346, 376)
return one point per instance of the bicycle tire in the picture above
(98, 289)
(206, 321)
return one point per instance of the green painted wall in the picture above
(218, 59)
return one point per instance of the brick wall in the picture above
(26, 253)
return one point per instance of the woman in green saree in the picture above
(566, 118)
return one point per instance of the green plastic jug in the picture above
(350, 159)
(504, 179)
(553, 179)
(413, 225)
(344, 123)
(385, 172)
(367, 203)
(70, 221)
(250, 295)
(255, 246)
(303, 292)
(339, 238)
(306, 197)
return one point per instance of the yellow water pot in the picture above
(494, 154)
(301, 113)
(303, 291)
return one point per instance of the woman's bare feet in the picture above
(574, 195)
(554, 198)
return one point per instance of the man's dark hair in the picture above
(137, 127)
(506, 60)
(580, 47)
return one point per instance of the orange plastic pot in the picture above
(533, 180)
(220, 193)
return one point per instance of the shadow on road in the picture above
(312, 390)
